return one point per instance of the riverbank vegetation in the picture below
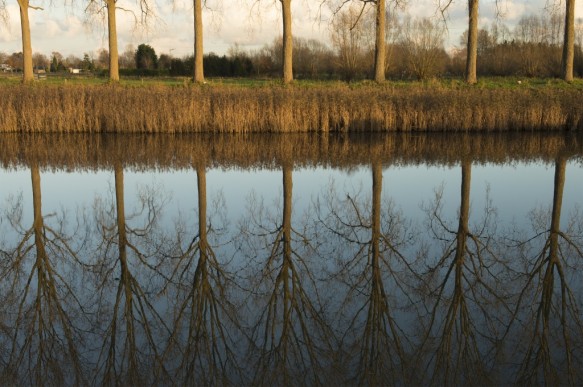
(299, 108)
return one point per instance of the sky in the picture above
(68, 30)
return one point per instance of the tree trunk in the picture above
(569, 42)
(472, 46)
(287, 41)
(198, 50)
(112, 32)
(27, 73)
(380, 44)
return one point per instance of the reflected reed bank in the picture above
(77, 151)
(114, 109)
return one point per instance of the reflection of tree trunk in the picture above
(202, 232)
(381, 343)
(198, 50)
(560, 167)
(549, 356)
(291, 332)
(207, 353)
(463, 231)
(458, 357)
(112, 36)
(38, 218)
(125, 281)
(287, 41)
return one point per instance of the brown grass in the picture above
(102, 151)
(227, 109)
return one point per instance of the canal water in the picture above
(373, 259)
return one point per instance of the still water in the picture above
(291, 260)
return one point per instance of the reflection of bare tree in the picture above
(41, 302)
(547, 310)
(462, 284)
(203, 329)
(375, 274)
(291, 336)
(132, 339)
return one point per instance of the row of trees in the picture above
(358, 28)
(414, 49)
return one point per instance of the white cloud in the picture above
(66, 30)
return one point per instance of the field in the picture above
(175, 105)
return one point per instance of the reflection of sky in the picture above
(514, 190)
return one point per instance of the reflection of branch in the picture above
(291, 334)
(550, 355)
(468, 286)
(373, 331)
(132, 338)
(46, 334)
(204, 316)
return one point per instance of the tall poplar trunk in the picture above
(380, 44)
(112, 33)
(198, 50)
(472, 46)
(568, 42)
(287, 41)
(27, 73)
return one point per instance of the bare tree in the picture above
(568, 41)
(423, 40)
(351, 39)
(380, 56)
(27, 66)
(107, 9)
(287, 46)
(198, 42)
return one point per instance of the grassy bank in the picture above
(231, 108)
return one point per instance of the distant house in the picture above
(40, 73)
(5, 68)
(74, 71)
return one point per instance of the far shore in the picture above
(243, 106)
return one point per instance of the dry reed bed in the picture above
(139, 152)
(159, 109)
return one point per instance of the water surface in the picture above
(298, 259)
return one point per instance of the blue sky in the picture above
(68, 30)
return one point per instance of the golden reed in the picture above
(227, 109)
